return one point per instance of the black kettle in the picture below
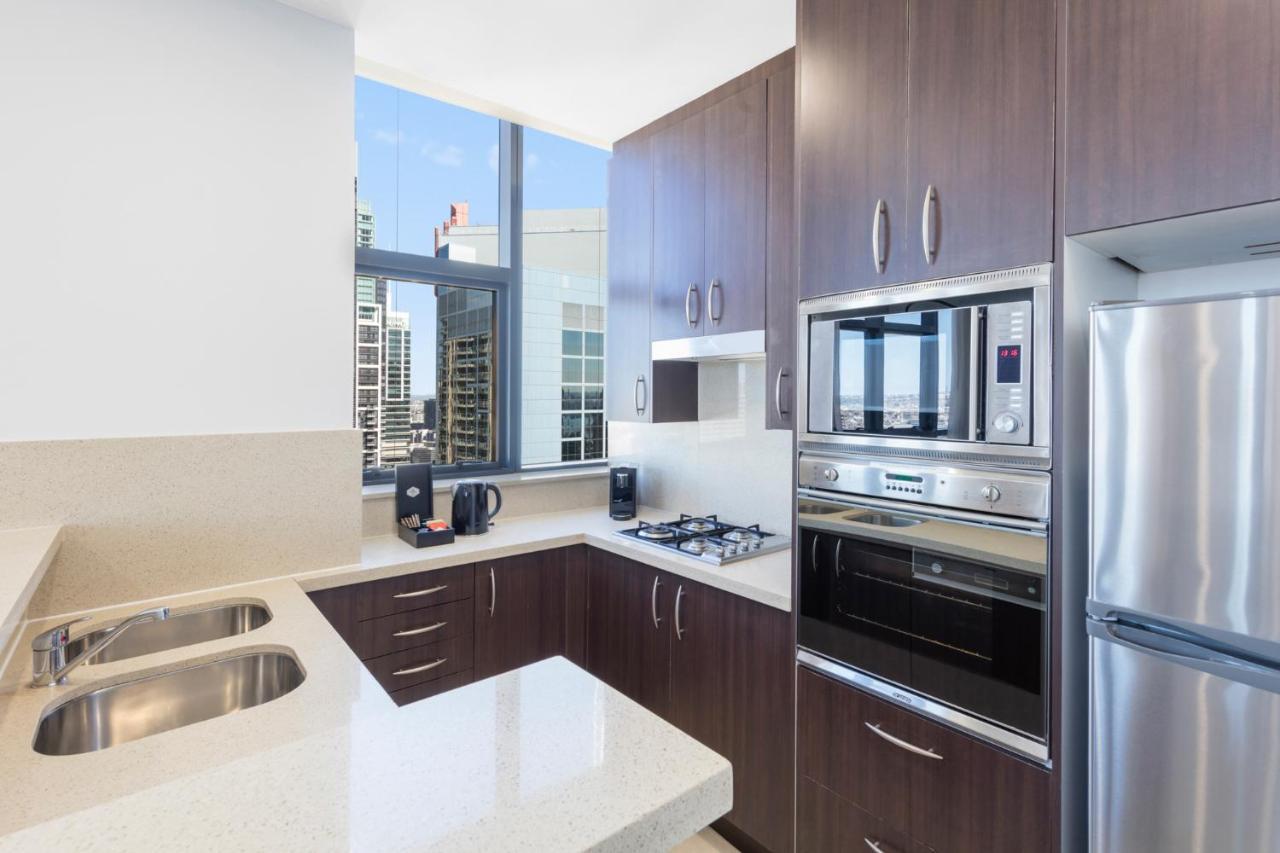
(471, 513)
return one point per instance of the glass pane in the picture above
(427, 175)
(593, 398)
(571, 398)
(570, 451)
(425, 379)
(593, 370)
(564, 282)
(571, 426)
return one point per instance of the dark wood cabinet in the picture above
(1172, 108)
(679, 204)
(852, 145)
(627, 371)
(734, 248)
(826, 822)
(780, 266)
(962, 796)
(628, 635)
(519, 611)
(980, 131)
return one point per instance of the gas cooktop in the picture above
(707, 538)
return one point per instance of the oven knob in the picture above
(831, 474)
(1007, 422)
(991, 493)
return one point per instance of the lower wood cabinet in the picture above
(628, 642)
(519, 611)
(855, 748)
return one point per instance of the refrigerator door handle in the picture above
(1176, 646)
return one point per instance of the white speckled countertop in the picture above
(543, 758)
(765, 579)
(25, 556)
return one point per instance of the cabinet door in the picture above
(980, 127)
(975, 797)
(628, 628)
(519, 611)
(734, 146)
(1173, 108)
(731, 688)
(780, 283)
(627, 373)
(679, 293)
(852, 144)
(825, 823)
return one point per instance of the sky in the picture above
(417, 155)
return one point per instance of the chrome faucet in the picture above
(49, 664)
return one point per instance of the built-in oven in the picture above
(951, 368)
(918, 584)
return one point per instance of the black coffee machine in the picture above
(622, 493)
(471, 513)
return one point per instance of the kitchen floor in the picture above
(707, 841)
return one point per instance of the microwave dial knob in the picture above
(991, 493)
(831, 474)
(1007, 422)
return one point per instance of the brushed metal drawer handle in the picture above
(874, 845)
(413, 632)
(902, 744)
(414, 670)
(419, 592)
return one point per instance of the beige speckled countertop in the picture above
(765, 579)
(543, 758)
(25, 556)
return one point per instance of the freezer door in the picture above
(1182, 756)
(1185, 462)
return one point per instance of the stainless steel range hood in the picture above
(735, 346)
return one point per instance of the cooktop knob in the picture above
(831, 474)
(1007, 422)
(991, 493)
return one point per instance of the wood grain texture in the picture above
(376, 637)
(624, 648)
(825, 823)
(735, 175)
(780, 261)
(454, 655)
(575, 604)
(379, 598)
(851, 142)
(980, 129)
(527, 622)
(1173, 108)
(627, 320)
(431, 688)
(679, 205)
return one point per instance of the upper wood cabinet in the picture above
(852, 143)
(780, 264)
(925, 139)
(1173, 107)
(980, 135)
(679, 204)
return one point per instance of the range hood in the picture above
(735, 346)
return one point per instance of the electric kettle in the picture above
(471, 513)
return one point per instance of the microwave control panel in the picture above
(1008, 370)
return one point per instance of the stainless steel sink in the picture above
(157, 703)
(181, 629)
(883, 519)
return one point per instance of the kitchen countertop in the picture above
(546, 757)
(25, 556)
(765, 579)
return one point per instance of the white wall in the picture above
(1214, 280)
(176, 232)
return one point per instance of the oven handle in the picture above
(1010, 524)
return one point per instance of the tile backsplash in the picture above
(726, 462)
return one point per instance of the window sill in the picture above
(381, 491)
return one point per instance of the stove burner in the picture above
(701, 546)
(655, 532)
(698, 525)
(741, 534)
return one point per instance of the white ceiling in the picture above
(594, 70)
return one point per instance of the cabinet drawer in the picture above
(825, 823)
(431, 688)
(399, 631)
(413, 592)
(425, 663)
(838, 748)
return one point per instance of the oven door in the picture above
(937, 605)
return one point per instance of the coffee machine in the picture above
(622, 493)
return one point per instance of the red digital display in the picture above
(1008, 365)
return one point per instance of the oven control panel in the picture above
(1022, 495)
(1008, 369)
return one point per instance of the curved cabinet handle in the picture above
(928, 219)
(813, 553)
(878, 247)
(653, 601)
(414, 670)
(711, 295)
(877, 846)
(413, 632)
(642, 402)
(493, 591)
(691, 305)
(679, 596)
(420, 592)
(902, 744)
(777, 393)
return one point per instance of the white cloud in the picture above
(493, 158)
(449, 156)
(391, 137)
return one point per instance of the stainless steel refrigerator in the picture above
(1184, 587)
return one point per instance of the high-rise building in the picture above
(464, 371)
(364, 224)
(396, 365)
(369, 352)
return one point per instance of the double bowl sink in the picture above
(151, 704)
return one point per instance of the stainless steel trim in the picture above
(711, 291)
(1021, 744)
(874, 845)
(413, 632)
(653, 601)
(777, 392)
(49, 664)
(877, 247)
(724, 347)
(679, 597)
(927, 217)
(493, 591)
(976, 417)
(421, 592)
(813, 551)
(640, 383)
(902, 744)
(688, 316)
(414, 670)
(938, 289)
(1123, 304)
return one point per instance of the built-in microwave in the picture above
(955, 368)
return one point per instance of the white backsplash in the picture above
(726, 462)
